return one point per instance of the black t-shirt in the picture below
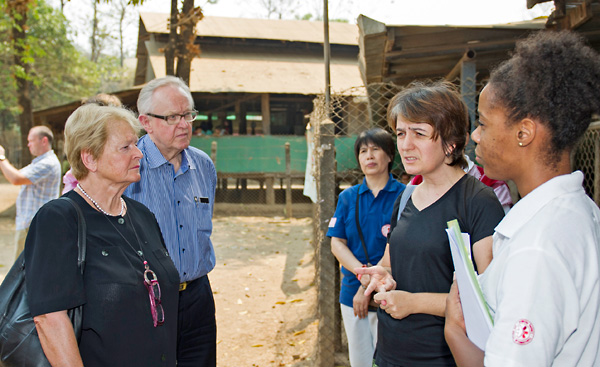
(117, 325)
(421, 262)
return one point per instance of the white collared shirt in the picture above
(543, 285)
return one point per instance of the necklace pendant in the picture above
(120, 220)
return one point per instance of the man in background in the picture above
(40, 180)
(178, 185)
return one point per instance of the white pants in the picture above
(362, 336)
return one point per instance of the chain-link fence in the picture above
(587, 159)
(336, 168)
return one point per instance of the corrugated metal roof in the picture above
(267, 29)
(221, 75)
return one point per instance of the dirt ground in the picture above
(263, 286)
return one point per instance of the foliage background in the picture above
(60, 71)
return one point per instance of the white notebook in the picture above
(478, 319)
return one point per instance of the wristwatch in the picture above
(2, 157)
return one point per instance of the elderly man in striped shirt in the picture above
(178, 185)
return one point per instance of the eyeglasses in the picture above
(151, 283)
(174, 119)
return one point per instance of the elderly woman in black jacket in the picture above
(129, 287)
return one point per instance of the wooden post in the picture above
(288, 181)
(596, 164)
(266, 113)
(213, 153)
(270, 182)
(468, 91)
(326, 262)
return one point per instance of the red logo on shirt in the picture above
(523, 332)
(385, 230)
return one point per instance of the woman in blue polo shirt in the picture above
(358, 232)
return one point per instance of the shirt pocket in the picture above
(203, 212)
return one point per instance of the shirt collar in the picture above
(40, 157)
(388, 186)
(155, 157)
(528, 206)
(470, 164)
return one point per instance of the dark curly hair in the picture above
(552, 77)
(380, 138)
(440, 105)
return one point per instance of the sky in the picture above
(392, 12)
(423, 12)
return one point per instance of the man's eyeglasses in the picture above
(174, 119)
(151, 283)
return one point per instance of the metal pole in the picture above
(327, 57)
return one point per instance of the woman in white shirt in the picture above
(542, 286)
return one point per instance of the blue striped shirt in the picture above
(183, 204)
(44, 174)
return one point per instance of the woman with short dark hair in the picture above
(358, 232)
(414, 276)
(542, 286)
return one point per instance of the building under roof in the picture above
(267, 69)
(400, 54)
(260, 74)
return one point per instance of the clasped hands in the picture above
(376, 279)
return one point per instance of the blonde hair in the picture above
(103, 99)
(87, 130)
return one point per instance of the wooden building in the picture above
(401, 54)
(261, 74)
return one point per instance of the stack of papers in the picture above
(478, 319)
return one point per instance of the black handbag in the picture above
(19, 342)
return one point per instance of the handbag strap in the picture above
(360, 234)
(81, 231)
(404, 199)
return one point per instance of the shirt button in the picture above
(104, 253)
(181, 226)
(182, 250)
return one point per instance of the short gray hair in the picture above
(144, 102)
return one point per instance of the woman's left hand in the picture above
(455, 320)
(397, 304)
(360, 303)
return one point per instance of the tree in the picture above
(100, 35)
(18, 12)
(278, 7)
(43, 68)
(181, 45)
(122, 16)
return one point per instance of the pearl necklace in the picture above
(98, 206)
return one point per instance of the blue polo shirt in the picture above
(375, 214)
